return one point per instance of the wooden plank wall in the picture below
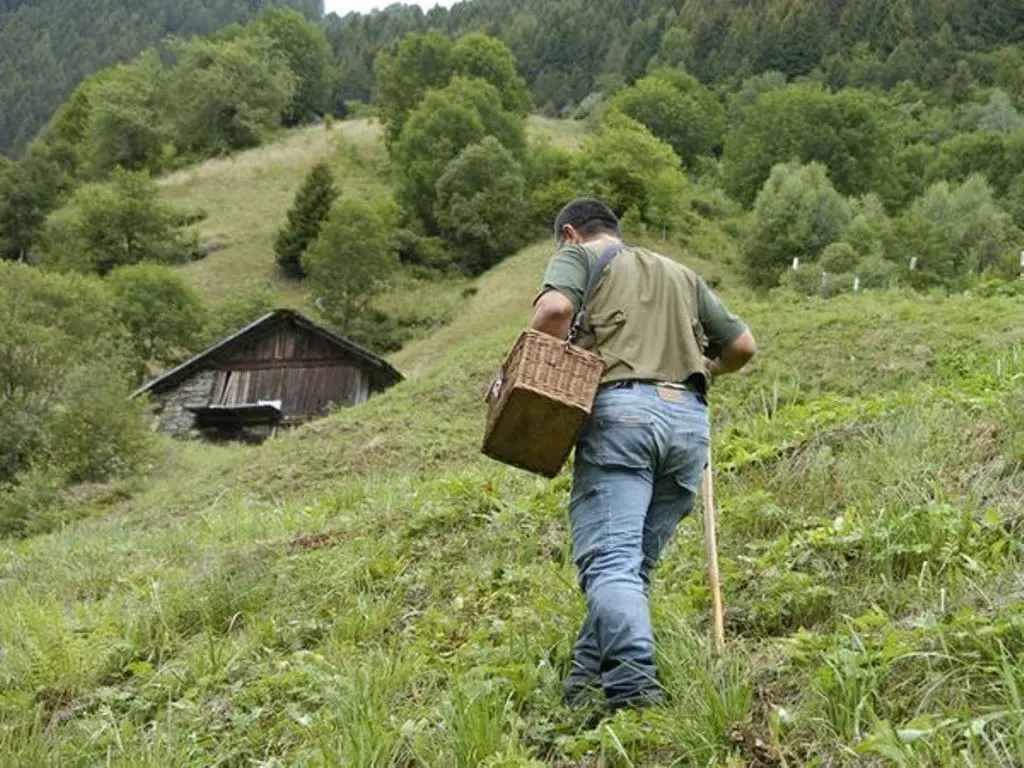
(305, 372)
(285, 343)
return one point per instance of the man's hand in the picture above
(552, 314)
(736, 355)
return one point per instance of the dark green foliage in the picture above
(954, 232)
(125, 125)
(161, 311)
(630, 169)
(447, 121)
(304, 46)
(422, 62)
(547, 169)
(47, 47)
(418, 250)
(481, 205)
(312, 203)
(228, 95)
(63, 388)
(839, 258)
(478, 55)
(351, 260)
(863, 43)
(846, 132)
(121, 222)
(430, 61)
(999, 156)
(29, 190)
(677, 109)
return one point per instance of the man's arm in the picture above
(561, 293)
(552, 314)
(734, 355)
(731, 345)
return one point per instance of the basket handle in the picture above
(579, 321)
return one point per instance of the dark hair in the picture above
(588, 217)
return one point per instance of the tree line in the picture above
(47, 47)
(171, 106)
(941, 45)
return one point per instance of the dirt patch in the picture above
(756, 751)
(309, 542)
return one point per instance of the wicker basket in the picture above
(540, 402)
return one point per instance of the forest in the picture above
(47, 47)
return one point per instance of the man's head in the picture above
(583, 220)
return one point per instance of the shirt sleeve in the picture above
(567, 274)
(721, 326)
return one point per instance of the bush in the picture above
(161, 311)
(798, 214)
(876, 273)
(679, 110)
(838, 257)
(228, 95)
(628, 167)
(446, 122)
(118, 223)
(846, 132)
(64, 378)
(304, 46)
(545, 167)
(415, 250)
(955, 232)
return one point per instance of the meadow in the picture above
(369, 590)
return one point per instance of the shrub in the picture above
(798, 213)
(64, 376)
(162, 312)
(679, 110)
(628, 167)
(838, 257)
(117, 223)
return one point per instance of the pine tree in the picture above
(305, 218)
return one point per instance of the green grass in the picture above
(369, 590)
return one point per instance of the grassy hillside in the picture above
(370, 591)
(245, 198)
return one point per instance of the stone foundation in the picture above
(171, 407)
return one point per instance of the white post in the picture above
(1022, 265)
(824, 284)
(856, 285)
(796, 262)
(913, 263)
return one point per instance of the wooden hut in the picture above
(279, 371)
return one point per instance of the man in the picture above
(663, 335)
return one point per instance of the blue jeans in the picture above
(637, 471)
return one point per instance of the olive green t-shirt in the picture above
(570, 267)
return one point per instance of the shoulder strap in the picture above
(579, 322)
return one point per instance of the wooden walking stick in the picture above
(711, 545)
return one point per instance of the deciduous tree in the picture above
(351, 260)
(481, 205)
